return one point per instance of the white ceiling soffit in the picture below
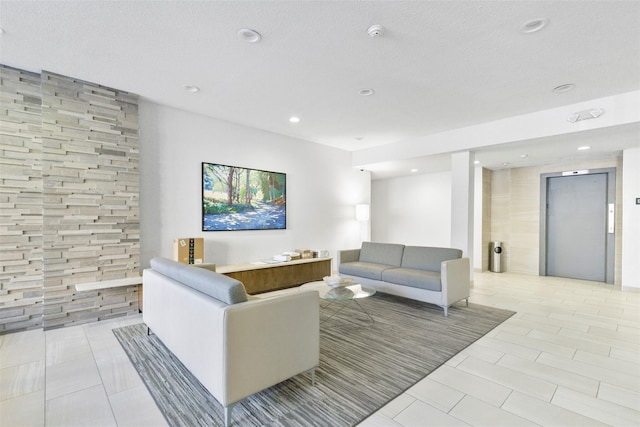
(438, 65)
(528, 133)
(534, 152)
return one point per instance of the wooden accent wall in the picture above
(69, 206)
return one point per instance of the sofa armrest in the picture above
(269, 340)
(456, 281)
(348, 255)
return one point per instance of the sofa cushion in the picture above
(367, 270)
(381, 253)
(415, 278)
(218, 286)
(428, 258)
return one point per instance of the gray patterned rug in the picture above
(362, 366)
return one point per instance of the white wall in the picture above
(462, 207)
(413, 210)
(477, 218)
(322, 187)
(630, 218)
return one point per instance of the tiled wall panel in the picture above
(515, 213)
(21, 277)
(90, 174)
(69, 200)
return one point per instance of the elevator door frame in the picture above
(611, 237)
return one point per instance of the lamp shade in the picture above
(362, 212)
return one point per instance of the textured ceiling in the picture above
(439, 65)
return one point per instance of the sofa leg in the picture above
(467, 300)
(227, 415)
(313, 377)
(446, 311)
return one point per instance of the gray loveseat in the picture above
(236, 345)
(435, 275)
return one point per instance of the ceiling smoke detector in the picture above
(579, 116)
(375, 31)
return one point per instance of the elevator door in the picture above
(577, 226)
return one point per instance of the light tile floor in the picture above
(569, 357)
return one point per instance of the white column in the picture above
(363, 218)
(462, 178)
(630, 218)
(478, 212)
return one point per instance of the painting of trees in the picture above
(242, 198)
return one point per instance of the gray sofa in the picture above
(438, 276)
(235, 344)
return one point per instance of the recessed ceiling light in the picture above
(413, 170)
(524, 156)
(584, 147)
(192, 89)
(564, 88)
(375, 30)
(476, 162)
(505, 164)
(366, 92)
(534, 25)
(294, 119)
(250, 36)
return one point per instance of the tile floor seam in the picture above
(580, 375)
(532, 377)
(553, 394)
(456, 404)
(619, 412)
(598, 390)
(515, 415)
(497, 362)
(506, 399)
(84, 330)
(403, 409)
(536, 341)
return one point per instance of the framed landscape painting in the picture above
(236, 198)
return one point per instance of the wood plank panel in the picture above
(279, 276)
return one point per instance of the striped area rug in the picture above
(362, 365)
